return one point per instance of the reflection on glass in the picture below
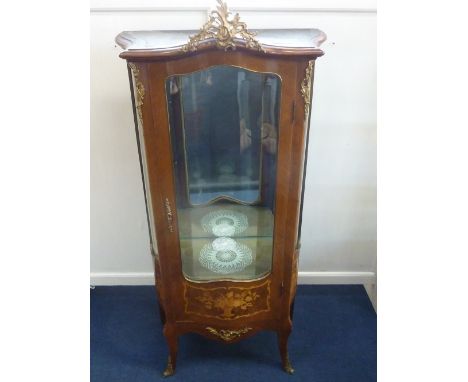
(224, 135)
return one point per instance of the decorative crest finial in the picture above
(223, 27)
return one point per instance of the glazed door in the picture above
(224, 148)
(224, 139)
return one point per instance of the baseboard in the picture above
(371, 290)
(336, 278)
(147, 278)
(122, 278)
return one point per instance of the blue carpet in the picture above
(333, 340)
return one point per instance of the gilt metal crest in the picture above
(223, 28)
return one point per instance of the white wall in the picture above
(339, 221)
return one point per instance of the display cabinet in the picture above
(222, 121)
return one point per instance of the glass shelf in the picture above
(209, 221)
(260, 264)
(208, 255)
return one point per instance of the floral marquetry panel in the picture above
(227, 303)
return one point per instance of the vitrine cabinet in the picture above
(222, 121)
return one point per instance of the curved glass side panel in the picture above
(224, 137)
(143, 164)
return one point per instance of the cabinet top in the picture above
(148, 44)
(223, 30)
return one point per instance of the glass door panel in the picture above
(224, 138)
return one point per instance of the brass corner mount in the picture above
(306, 87)
(224, 29)
(139, 91)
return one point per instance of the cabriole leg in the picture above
(171, 339)
(283, 348)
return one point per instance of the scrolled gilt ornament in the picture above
(226, 334)
(306, 87)
(223, 28)
(139, 91)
